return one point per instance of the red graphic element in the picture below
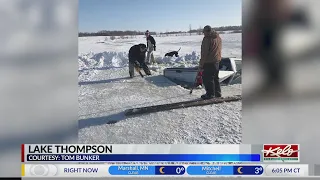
(199, 78)
(22, 152)
(280, 150)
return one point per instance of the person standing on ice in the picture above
(137, 55)
(151, 46)
(210, 57)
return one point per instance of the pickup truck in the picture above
(230, 72)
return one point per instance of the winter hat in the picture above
(207, 28)
(143, 47)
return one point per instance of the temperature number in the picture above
(179, 170)
(258, 170)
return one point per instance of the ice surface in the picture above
(105, 92)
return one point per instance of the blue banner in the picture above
(147, 170)
(225, 170)
(191, 170)
(146, 157)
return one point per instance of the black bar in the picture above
(178, 105)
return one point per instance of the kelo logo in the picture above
(281, 153)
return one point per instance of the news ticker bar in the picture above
(136, 149)
(103, 170)
(143, 157)
(161, 152)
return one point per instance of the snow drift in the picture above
(105, 60)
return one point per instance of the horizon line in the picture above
(154, 31)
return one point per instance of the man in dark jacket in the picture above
(209, 62)
(137, 54)
(151, 46)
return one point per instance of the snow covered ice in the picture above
(106, 91)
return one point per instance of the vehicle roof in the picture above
(233, 58)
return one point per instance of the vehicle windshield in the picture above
(225, 64)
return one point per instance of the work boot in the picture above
(207, 96)
(131, 74)
(147, 71)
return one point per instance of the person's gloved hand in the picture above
(137, 64)
(200, 67)
(154, 47)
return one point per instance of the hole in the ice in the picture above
(229, 81)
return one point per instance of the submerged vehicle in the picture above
(230, 72)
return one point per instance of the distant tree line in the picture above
(235, 29)
(222, 28)
(174, 32)
(113, 33)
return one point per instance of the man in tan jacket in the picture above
(209, 62)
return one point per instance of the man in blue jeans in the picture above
(151, 46)
(210, 57)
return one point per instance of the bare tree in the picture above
(200, 30)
